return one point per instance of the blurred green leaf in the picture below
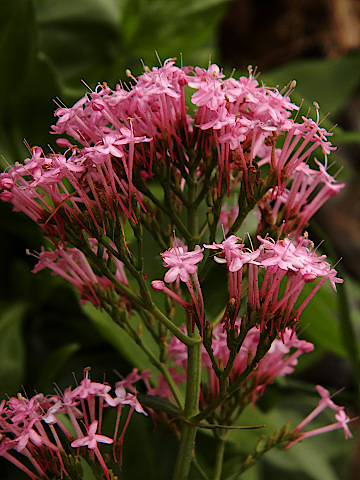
(312, 459)
(120, 340)
(80, 37)
(330, 82)
(340, 136)
(17, 48)
(18, 35)
(12, 354)
(88, 473)
(321, 324)
(98, 39)
(181, 26)
(55, 363)
(156, 447)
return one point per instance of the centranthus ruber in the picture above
(166, 152)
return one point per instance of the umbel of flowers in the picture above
(167, 152)
(36, 438)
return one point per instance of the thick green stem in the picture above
(188, 431)
(192, 210)
(193, 378)
(220, 449)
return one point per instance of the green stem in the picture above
(193, 376)
(199, 469)
(172, 327)
(160, 366)
(189, 430)
(220, 449)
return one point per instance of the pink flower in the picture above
(92, 438)
(124, 398)
(181, 262)
(342, 419)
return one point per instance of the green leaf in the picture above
(158, 404)
(312, 459)
(88, 473)
(170, 28)
(18, 35)
(80, 37)
(12, 350)
(330, 82)
(321, 321)
(340, 136)
(17, 47)
(54, 364)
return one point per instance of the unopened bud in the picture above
(111, 264)
(231, 305)
(207, 333)
(248, 460)
(221, 364)
(249, 358)
(210, 216)
(261, 444)
(140, 330)
(284, 431)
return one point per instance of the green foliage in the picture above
(120, 339)
(12, 353)
(330, 82)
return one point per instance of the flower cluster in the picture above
(280, 360)
(72, 265)
(280, 263)
(306, 192)
(44, 435)
(126, 136)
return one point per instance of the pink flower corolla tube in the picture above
(34, 435)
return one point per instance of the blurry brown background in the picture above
(280, 31)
